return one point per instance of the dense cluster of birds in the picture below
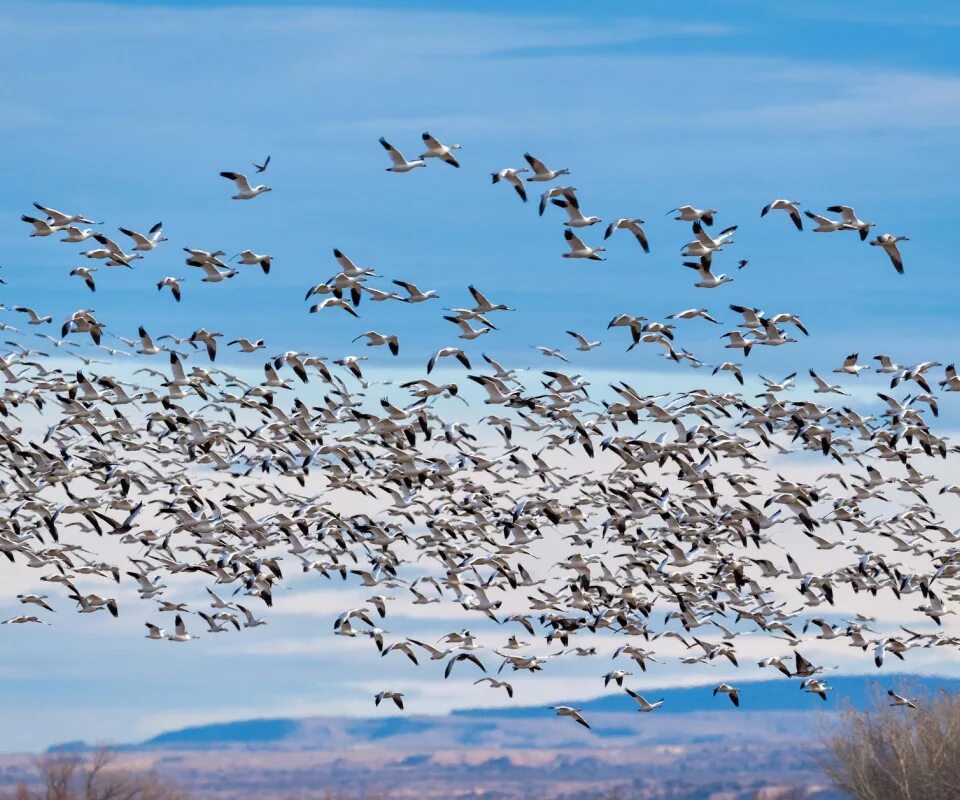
(675, 514)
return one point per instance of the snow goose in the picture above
(497, 391)
(582, 344)
(34, 599)
(792, 207)
(705, 242)
(771, 335)
(250, 621)
(40, 226)
(198, 257)
(540, 171)
(694, 313)
(852, 221)
(468, 332)
(827, 225)
(643, 704)
(691, 214)
(569, 192)
(823, 387)
(886, 364)
(148, 242)
(752, 317)
(483, 305)
(147, 346)
(414, 295)
(60, 220)
(579, 250)
(850, 365)
(730, 691)
(779, 386)
(899, 700)
(208, 339)
(348, 268)
(379, 296)
(335, 302)
(400, 164)
(774, 661)
(246, 346)
(617, 676)
(576, 217)
(76, 235)
(250, 258)
(154, 632)
(731, 367)
(396, 697)
(447, 352)
(707, 279)
(951, 381)
(511, 175)
(495, 684)
(212, 274)
(375, 339)
(815, 686)
(87, 274)
(793, 319)
(173, 284)
(889, 244)
(112, 252)
(915, 373)
(551, 352)
(573, 713)
(436, 149)
(470, 656)
(217, 623)
(244, 190)
(632, 225)
(34, 318)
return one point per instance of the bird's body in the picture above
(244, 190)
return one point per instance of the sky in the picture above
(127, 112)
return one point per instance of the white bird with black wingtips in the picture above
(579, 250)
(889, 244)
(436, 149)
(244, 190)
(792, 207)
(400, 164)
(634, 225)
(509, 175)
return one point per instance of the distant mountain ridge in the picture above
(778, 701)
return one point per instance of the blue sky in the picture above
(127, 111)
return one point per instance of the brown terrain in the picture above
(699, 755)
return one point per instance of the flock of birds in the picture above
(674, 513)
